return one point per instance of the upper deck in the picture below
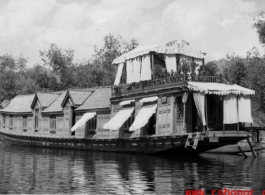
(159, 67)
(171, 82)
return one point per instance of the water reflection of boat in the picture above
(159, 109)
(85, 172)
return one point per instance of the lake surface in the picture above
(50, 171)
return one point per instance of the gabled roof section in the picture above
(45, 99)
(56, 107)
(77, 97)
(20, 104)
(99, 99)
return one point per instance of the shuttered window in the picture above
(11, 122)
(36, 118)
(53, 123)
(92, 123)
(24, 122)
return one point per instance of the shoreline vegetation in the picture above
(58, 71)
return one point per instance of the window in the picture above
(92, 123)
(11, 122)
(179, 113)
(4, 121)
(53, 122)
(36, 118)
(129, 122)
(24, 125)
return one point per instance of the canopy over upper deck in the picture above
(219, 88)
(171, 47)
(142, 61)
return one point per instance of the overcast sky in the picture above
(217, 27)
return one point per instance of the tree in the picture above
(235, 69)
(259, 24)
(112, 48)
(10, 62)
(210, 69)
(12, 71)
(61, 62)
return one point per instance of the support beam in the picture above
(242, 152)
(206, 110)
(237, 115)
(152, 64)
(253, 151)
(184, 118)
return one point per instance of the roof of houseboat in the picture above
(77, 97)
(56, 105)
(218, 88)
(20, 104)
(45, 98)
(100, 98)
(171, 47)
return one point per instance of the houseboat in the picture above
(160, 103)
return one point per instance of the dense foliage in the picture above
(59, 71)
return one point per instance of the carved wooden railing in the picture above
(162, 82)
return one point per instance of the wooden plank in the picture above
(253, 151)
(242, 152)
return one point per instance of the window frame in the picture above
(11, 122)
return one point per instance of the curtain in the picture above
(199, 100)
(199, 63)
(118, 76)
(230, 109)
(244, 109)
(136, 69)
(185, 97)
(146, 68)
(171, 62)
(129, 71)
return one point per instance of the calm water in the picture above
(38, 170)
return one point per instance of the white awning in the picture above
(219, 88)
(143, 116)
(149, 99)
(127, 102)
(83, 120)
(119, 119)
(160, 48)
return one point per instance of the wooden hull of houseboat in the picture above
(169, 145)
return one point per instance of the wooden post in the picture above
(71, 113)
(253, 151)
(184, 118)
(172, 114)
(251, 131)
(206, 110)
(258, 136)
(237, 115)
(242, 152)
(152, 65)
(223, 117)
